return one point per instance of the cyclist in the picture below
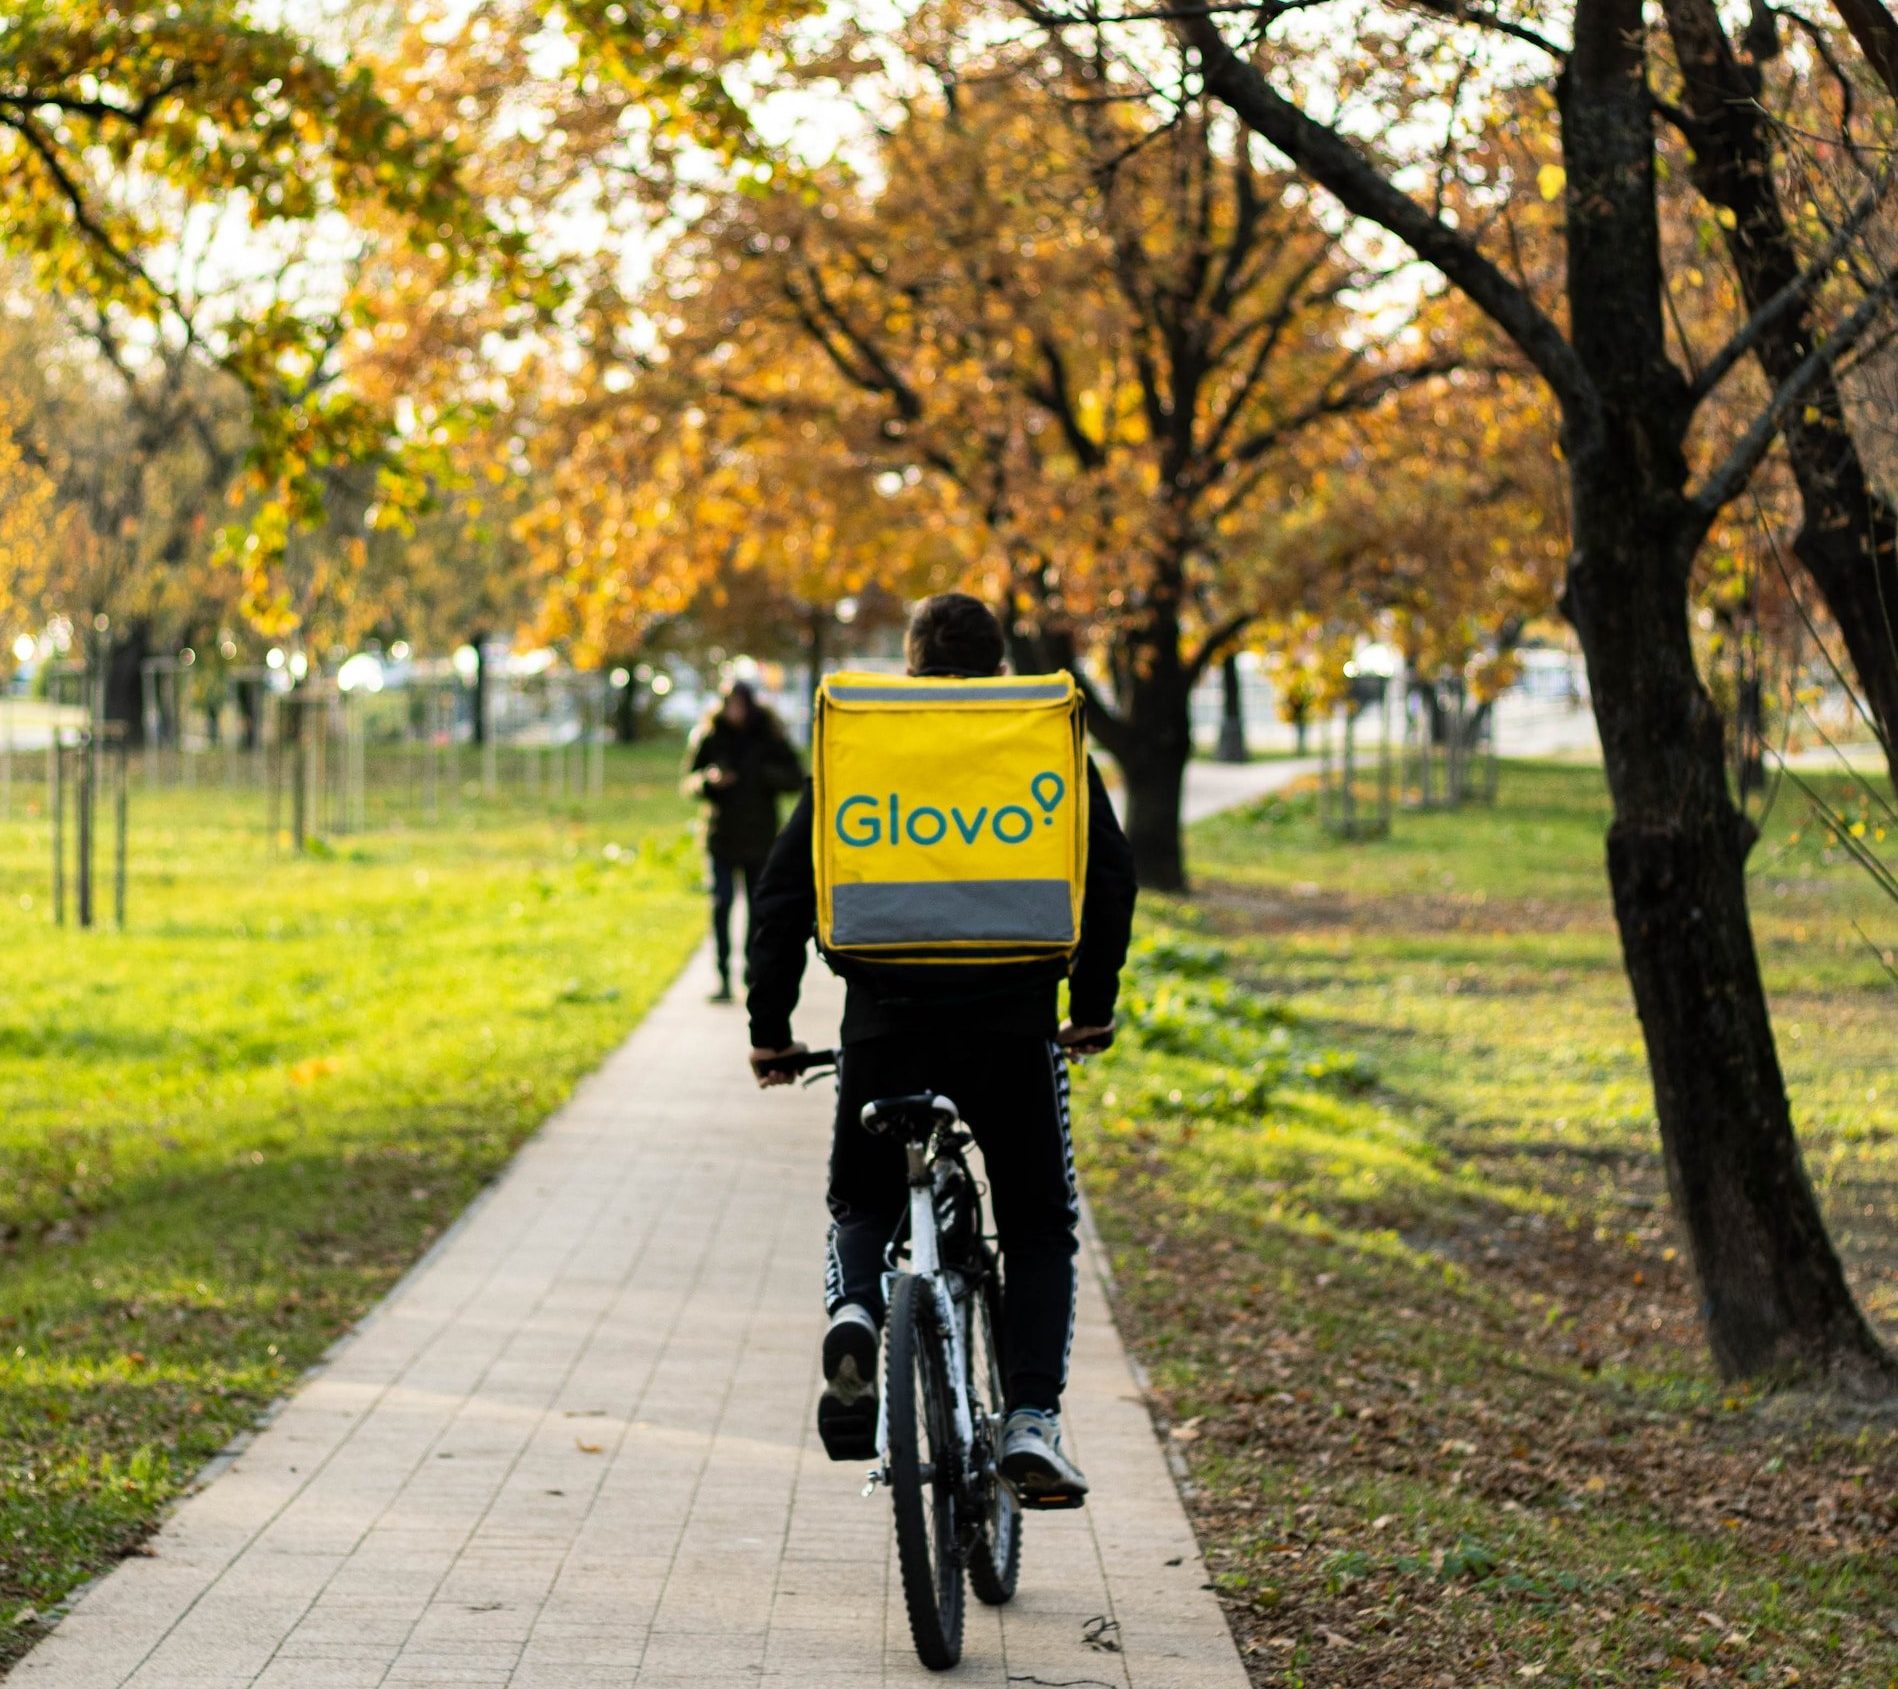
(991, 1037)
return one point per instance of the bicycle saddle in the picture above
(909, 1117)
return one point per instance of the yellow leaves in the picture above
(28, 523)
(1551, 179)
(311, 1069)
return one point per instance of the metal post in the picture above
(336, 714)
(187, 769)
(148, 689)
(299, 789)
(490, 766)
(118, 853)
(358, 772)
(1348, 787)
(82, 838)
(322, 801)
(432, 768)
(56, 804)
(1384, 760)
(1325, 818)
(596, 771)
(270, 748)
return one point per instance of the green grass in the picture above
(224, 1133)
(1378, 1167)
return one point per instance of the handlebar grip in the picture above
(800, 1062)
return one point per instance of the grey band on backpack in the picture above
(952, 911)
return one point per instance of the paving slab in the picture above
(575, 1449)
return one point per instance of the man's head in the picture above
(953, 633)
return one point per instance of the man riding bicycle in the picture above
(991, 1035)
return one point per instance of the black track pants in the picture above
(1013, 1093)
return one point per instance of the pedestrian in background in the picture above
(739, 762)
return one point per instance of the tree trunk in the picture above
(125, 680)
(1232, 714)
(250, 710)
(1153, 748)
(624, 713)
(479, 641)
(814, 649)
(1773, 1295)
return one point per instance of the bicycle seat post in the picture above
(917, 1150)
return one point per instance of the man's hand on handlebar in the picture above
(1085, 1040)
(784, 1073)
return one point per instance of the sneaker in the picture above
(1033, 1462)
(723, 994)
(847, 1410)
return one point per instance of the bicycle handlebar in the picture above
(814, 1063)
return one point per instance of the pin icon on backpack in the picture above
(1050, 801)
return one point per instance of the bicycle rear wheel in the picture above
(995, 1559)
(923, 1474)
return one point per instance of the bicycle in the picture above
(940, 1413)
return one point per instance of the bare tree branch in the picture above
(1775, 309)
(1730, 478)
(1213, 646)
(1331, 159)
(1876, 32)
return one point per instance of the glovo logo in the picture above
(863, 820)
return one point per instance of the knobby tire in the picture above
(922, 1435)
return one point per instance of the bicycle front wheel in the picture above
(924, 1461)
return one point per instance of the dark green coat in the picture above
(741, 819)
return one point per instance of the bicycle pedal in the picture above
(1031, 1503)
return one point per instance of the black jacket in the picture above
(741, 819)
(885, 999)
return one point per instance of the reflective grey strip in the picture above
(1023, 692)
(944, 911)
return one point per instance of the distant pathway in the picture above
(1213, 786)
(575, 1448)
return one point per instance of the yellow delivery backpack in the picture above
(950, 818)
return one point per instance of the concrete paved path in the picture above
(575, 1448)
(1213, 786)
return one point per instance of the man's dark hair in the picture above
(953, 633)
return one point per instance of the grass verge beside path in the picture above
(1377, 1166)
(224, 1134)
